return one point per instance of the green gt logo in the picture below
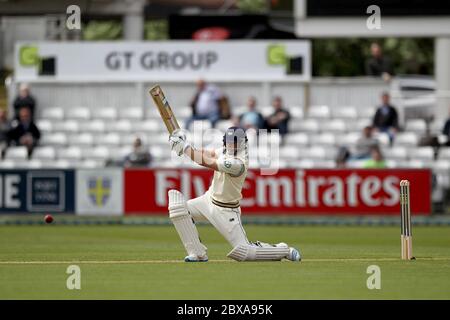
(276, 54)
(227, 164)
(28, 56)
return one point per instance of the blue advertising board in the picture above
(46, 191)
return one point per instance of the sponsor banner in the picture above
(100, 192)
(291, 191)
(46, 191)
(158, 61)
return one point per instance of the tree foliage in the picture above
(346, 57)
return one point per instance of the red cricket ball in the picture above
(48, 218)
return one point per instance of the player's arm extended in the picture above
(209, 159)
(205, 158)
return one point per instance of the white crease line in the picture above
(211, 261)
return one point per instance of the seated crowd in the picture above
(20, 130)
(210, 104)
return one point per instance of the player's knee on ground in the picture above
(252, 252)
(184, 225)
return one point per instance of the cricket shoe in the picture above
(195, 258)
(294, 255)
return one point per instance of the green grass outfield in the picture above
(145, 262)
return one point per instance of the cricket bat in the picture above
(164, 108)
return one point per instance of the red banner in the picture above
(290, 191)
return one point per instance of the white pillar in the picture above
(133, 20)
(133, 26)
(442, 75)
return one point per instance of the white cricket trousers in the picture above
(226, 220)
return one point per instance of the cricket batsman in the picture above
(220, 204)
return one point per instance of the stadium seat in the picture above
(104, 113)
(422, 153)
(307, 125)
(7, 164)
(52, 113)
(64, 164)
(123, 125)
(16, 153)
(443, 165)
(302, 164)
(110, 139)
(312, 164)
(319, 112)
(395, 153)
(406, 139)
(66, 126)
(82, 139)
(182, 112)
(444, 153)
(54, 139)
(414, 163)
(35, 164)
(96, 153)
(417, 125)
(296, 112)
(94, 126)
(442, 139)
(69, 153)
(344, 112)
(348, 139)
(119, 153)
(436, 126)
(44, 125)
(298, 138)
(313, 153)
(78, 113)
(288, 153)
(335, 126)
(323, 139)
(91, 164)
(151, 112)
(132, 113)
(366, 112)
(391, 164)
(160, 153)
(44, 153)
(150, 125)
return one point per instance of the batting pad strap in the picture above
(245, 252)
(184, 225)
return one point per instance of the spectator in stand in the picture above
(386, 117)
(378, 64)
(251, 119)
(279, 118)
(4, 128)
(446, 131)
(365, 144)
(24, 99)
(376, 161)
(24, 132)
(205, 104)
(139, 157)
(342, 156)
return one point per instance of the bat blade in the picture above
(164, 108)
